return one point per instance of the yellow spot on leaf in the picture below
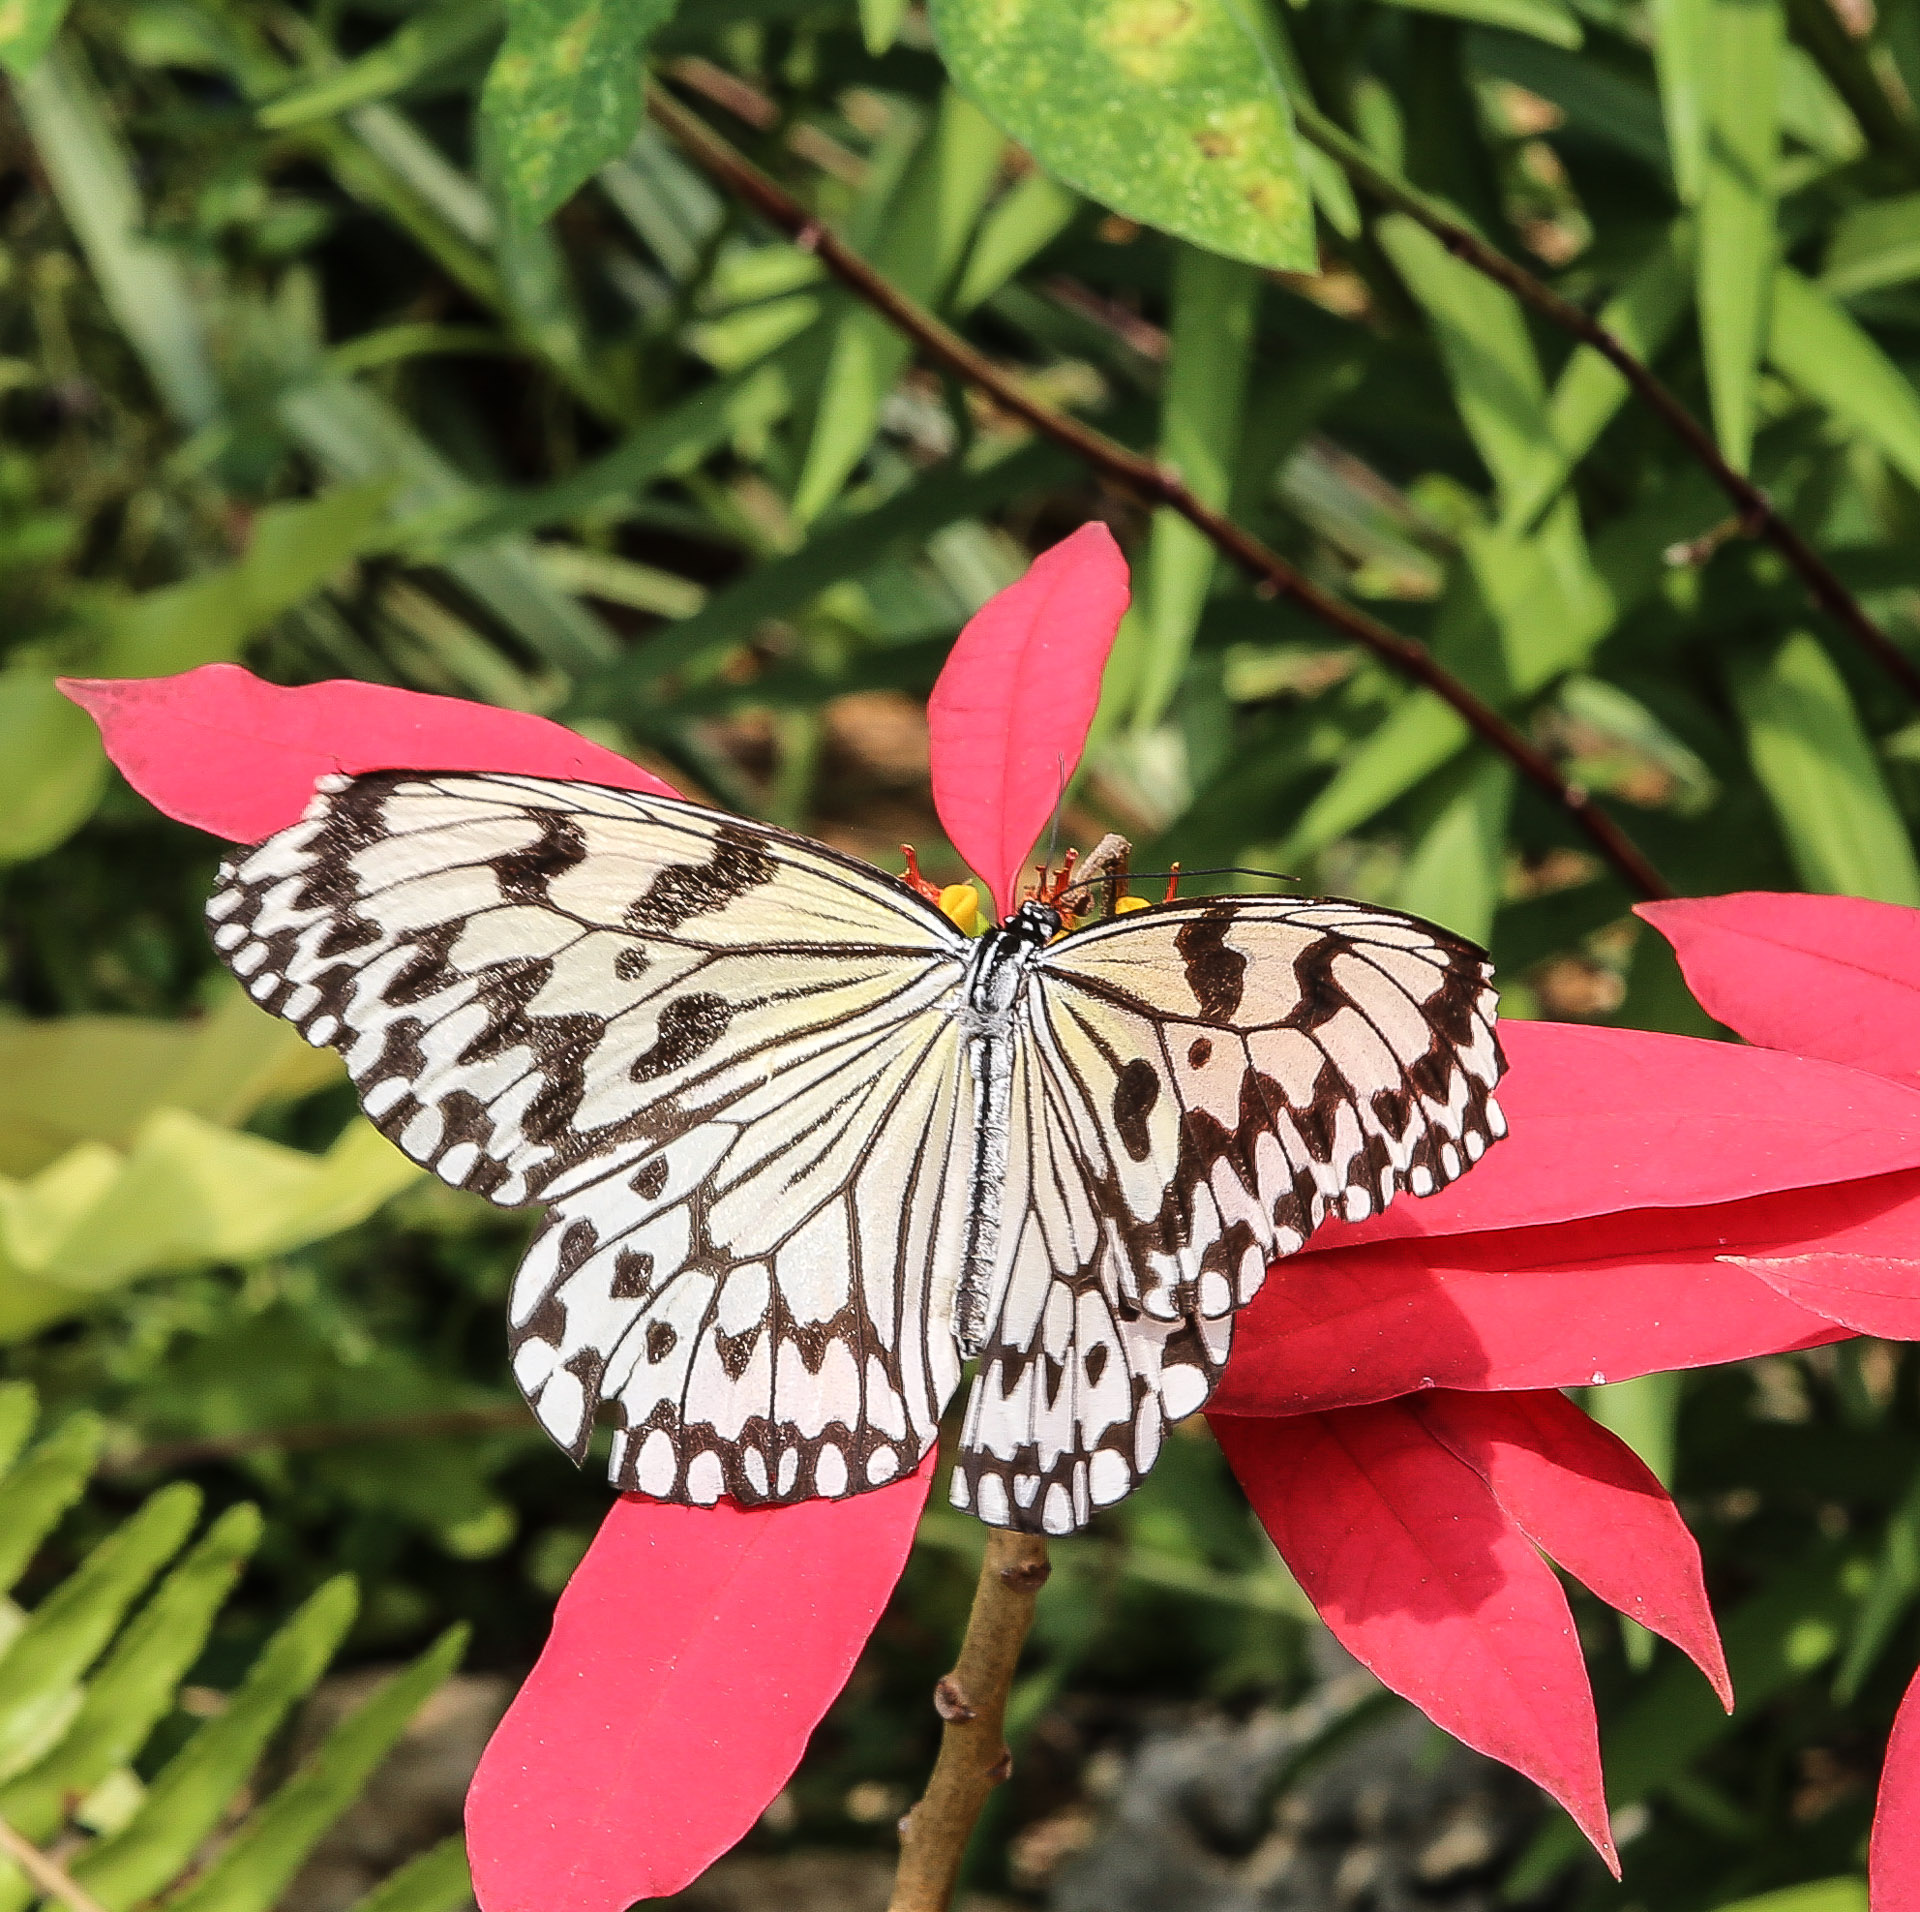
(1144, 36)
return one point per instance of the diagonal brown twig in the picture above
(1147, 479)
(1753, 509)
(48, 1878)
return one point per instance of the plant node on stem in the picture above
(972, 1701)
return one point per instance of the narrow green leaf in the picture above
(1822, 1895)
(42, 1488)
(191, 1793)
(1889, 1599)
(1875, 244)
(437, 34)
(1645, 1413)
(1540, 19)
(27, 28)
(253, 1870)
(1027, 219)
(1817, 765)
(1831, 358)
(1418, 737)
(563, 95)
(1643, 315)
(142, 282)
(1456, 874)
(1204, 408)
(1778, 1636)
(136, 1683)
(1735, 263)
(294, 549)
(1169, 111)
(437, 1881)
(52, 769)
(919, 248)
(19, 1408)
(68, 1630)
(1683, 50)
(1491, 365)
(880, 22)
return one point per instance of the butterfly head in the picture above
(1034, 922)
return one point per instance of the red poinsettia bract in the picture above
(1391, 1405)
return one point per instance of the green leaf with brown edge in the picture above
(1169, 111)
(563, 94)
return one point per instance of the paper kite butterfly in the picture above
(805, 1148)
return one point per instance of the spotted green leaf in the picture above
(1170, 111)
(563, 95)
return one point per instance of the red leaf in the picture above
(1873, 1294)
(1588, 1501)
(1423, 1577)
(1595, 1300)
(1893, 1859)
(219, 748)
(1612, 1119)
(693, 1653)
(1010, 713)
(1833, 976)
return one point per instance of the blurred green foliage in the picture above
(362, 338)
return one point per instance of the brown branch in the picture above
(972, 1700)
(48, 1878)
(167, 1457)
(1156, 483)
(1753, 509)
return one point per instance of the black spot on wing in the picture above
(1134, 1094)
(689, 1027)
(738, 863)
(1216, 974)
(523, 875)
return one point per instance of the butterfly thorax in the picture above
(996, 974)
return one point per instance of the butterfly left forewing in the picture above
(1226, 1075)
(721, 1056)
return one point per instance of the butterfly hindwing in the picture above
(1227, 1075)
(717, 1053)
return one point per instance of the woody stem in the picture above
(972, 1700)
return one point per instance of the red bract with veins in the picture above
(1392, 1402)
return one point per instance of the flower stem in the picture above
(972, 1700)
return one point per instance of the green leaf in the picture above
(432, 37)
(1214, 303)
(1541, 19)
(1822, 1895)
(563, 95)
(1418, 737)
(1843, 830)
(1890, 1596)
(27, 28)
(1033, 212)
(186, 1191)
(39, 1672)
(190, 1795)
(1482, 334)
(142, 282)
(880, 22)
(293, 550)
(1456, 874)
(71, 1079)
(52, 769)
(19, 1409)
(1170, 111)
(437, 1881)
(1683, 48)
(1831, 358)
(1643, 315)
(1735, 263)
(920, 246)
(253, 1870)
(1875, 244)
(42, 1488)
(135, 1686)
